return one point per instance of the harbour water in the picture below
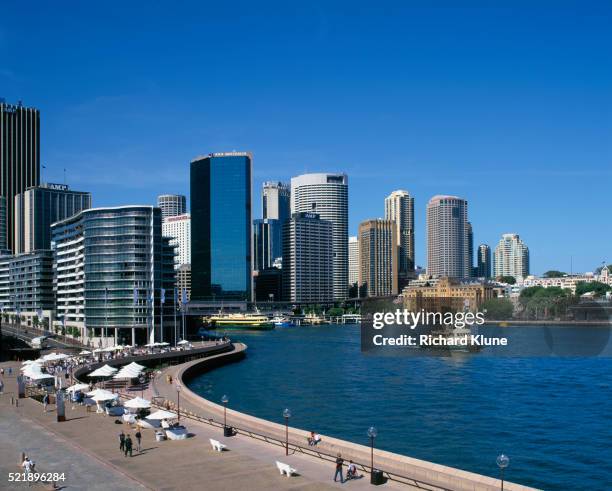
(550, 415)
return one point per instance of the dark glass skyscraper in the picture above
(221, 239)
(19, 156)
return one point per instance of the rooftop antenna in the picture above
(64, 175)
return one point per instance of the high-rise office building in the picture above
(399, 207)
(327, 196)
(470, 234)
(447, 237)
(511, 257)
(267, 242)
(307, 275)
(172, 205)
(378, 258)
(221, 236)
(38, 207)
(276, 201)
(178, 229)
(353, 260)
(19, 156)
(3, 238)
(114, 275)
(484, 261)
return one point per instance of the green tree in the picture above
(335, 312)
(498, 308)
(553, 273)
(511, 280)
(592, 286)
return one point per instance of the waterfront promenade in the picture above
(88, 441)
(249, 464)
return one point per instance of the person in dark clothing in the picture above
(339, 462)
(128, 446)
(138, 436)
(121, 441)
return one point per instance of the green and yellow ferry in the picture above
(246, 321)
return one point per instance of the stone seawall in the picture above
(429, 475)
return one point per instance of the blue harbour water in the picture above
(551, 416)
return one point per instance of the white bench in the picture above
(285, 469)
(216, 445)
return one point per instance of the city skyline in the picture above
(523, 141)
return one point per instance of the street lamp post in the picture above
(372, 433)
(178, 402)
(226, 430)
(502, 462)
(286, 415)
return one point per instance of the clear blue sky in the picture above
(510, 108)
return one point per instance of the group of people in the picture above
(351, 472)
(126, 444)
(313, 439)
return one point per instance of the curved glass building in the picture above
(112, 269)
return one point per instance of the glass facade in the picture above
(221, 247)
(111, 266)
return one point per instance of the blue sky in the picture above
(508, 107)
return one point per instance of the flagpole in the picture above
(175, 305)
(161, 312)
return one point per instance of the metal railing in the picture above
(160, 402)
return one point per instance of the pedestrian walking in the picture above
(128, 446)
(10, 371)
(28, 467)
(339, 462)
(121, 441)
(1, 387)
(46, 401)
(138, 436)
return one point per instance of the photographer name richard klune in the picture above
(432, 340)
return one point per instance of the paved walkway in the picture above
(87, 445)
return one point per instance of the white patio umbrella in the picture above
(38, 375)
(138, 403)
(103, 371)
(162, 414)
(163, 343)
(104, 395)
(77, 387)
(85, 352)
(126, 373)
(55, 356)
(184, 341)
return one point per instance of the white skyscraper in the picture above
(327, 196)
(353, 260)
(447, 237)
(399, 207)
(511, 257)
(178, 228)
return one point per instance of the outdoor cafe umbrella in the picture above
(184, 341)
(85, 352)
(126, 372)
(162, 414)
(55, 357)
(138, 403)
(104, 371)
(77, 387)
(104, 395)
